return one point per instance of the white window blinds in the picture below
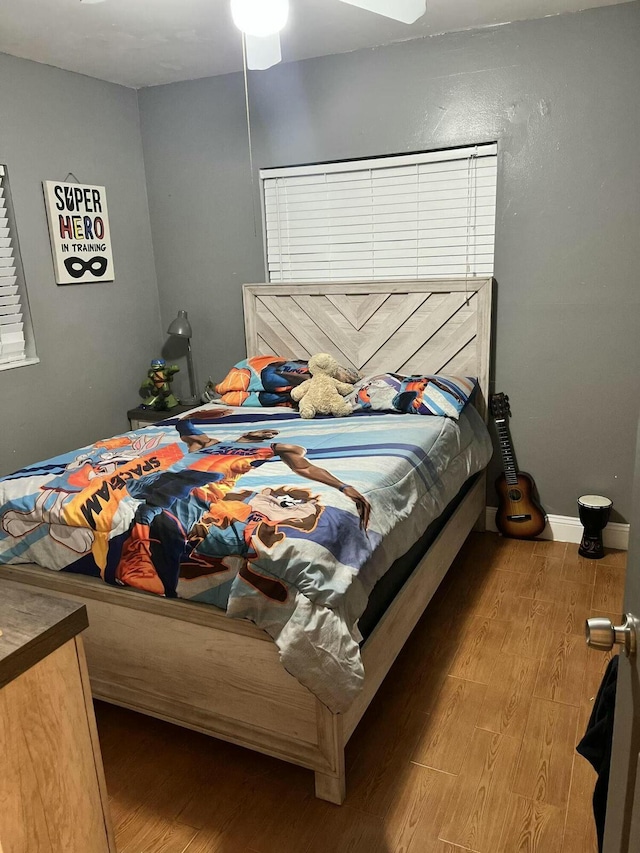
(408, 216)
(13, 302)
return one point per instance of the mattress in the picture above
(286, 522)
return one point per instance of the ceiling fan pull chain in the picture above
(246, 103)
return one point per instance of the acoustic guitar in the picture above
(519, 515)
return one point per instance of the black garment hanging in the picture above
(595, 746)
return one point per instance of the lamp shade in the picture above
(181, 326)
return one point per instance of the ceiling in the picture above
(149, 42)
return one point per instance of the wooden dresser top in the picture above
(33, 626)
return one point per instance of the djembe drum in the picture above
(594, 512)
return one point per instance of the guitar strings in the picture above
(505, 439)
(509, 488)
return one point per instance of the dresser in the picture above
(53, 796)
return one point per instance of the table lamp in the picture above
(181, 328)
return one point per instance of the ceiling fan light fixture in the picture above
(260, 17)
(405, 11)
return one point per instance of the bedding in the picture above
(286, 522)
(267, 380)
(439, 395)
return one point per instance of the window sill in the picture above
(24, 363)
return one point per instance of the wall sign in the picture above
(79, 231)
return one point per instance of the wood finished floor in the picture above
(468, 746)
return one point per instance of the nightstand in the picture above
(140, 418)
(52, 786)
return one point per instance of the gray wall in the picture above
(206, 238)
(94, 341)
(561, 97)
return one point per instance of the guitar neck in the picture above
(506, 451)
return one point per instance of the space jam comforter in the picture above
(283, 521)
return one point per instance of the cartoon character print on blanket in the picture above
(267, 380)
(438, 395)
(238, 527)
(55, 508)
(173, 502)
(262, 381)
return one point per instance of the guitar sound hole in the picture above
(515, 495)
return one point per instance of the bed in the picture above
(191, 665)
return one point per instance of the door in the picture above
(622, 829)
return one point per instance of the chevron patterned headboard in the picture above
(427, 326)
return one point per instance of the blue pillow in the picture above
(439, 395)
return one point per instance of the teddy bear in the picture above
(322, 394)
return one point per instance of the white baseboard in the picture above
(566, 528)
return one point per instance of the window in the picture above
(407, 216)
(16, 338)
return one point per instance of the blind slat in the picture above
(392, 174)
(391, 231)
(381, 263)
(357, 242)
(385, 275)
(382, 183)
(402, 220)
(449, 197)
(402, 252)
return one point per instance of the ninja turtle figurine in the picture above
(156, 388)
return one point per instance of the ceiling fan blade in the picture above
(262, 51)
(406, 11)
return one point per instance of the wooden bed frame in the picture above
(191, 665)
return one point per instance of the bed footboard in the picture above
(190, 665)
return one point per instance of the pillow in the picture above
(267, 380)
(413, 395)
(264, 380)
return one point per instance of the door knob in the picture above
(602, 634)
